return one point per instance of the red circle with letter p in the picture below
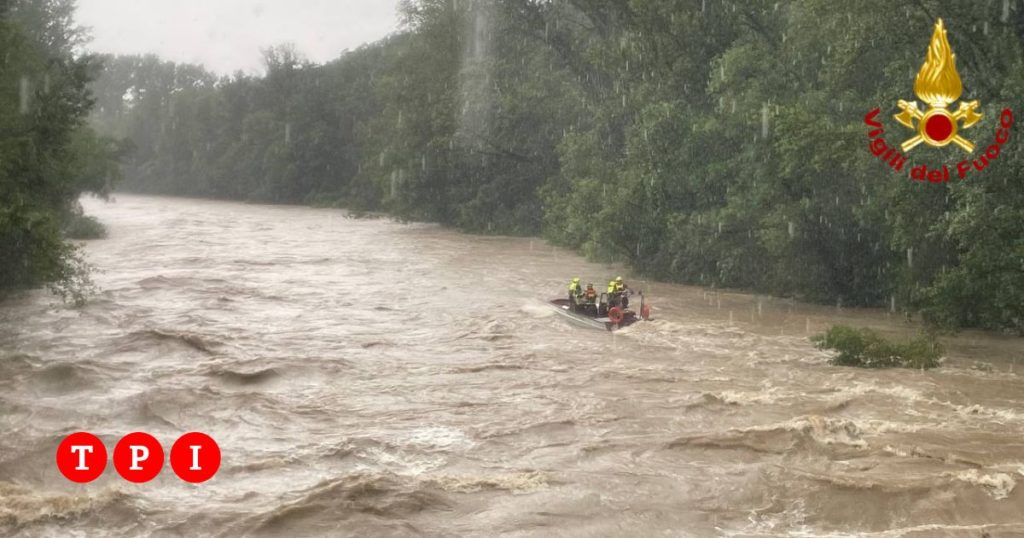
(195, 457)
(138, 457)
(81, 457)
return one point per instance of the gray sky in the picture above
(226, 35)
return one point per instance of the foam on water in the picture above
(998, 485)
(517, 483)
(21, 506)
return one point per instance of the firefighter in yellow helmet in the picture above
(618, 293)
(575, 292)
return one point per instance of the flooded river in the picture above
(369, 378)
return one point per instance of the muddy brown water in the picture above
(369, 378)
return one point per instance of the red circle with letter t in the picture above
(195, 457)
(81, 457)
(138, 457)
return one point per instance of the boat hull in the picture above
(592, 322)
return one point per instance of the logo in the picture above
(138, 457)
(81, 457)
(939, 86)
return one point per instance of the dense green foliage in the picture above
(711, 142)
(84, 227)
(864, 348)
(48, 156)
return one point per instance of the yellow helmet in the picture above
(618, 279)
(577, 279)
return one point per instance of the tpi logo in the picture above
(138, 457)
(938, 85)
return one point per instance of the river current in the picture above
(370, 378)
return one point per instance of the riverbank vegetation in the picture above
(865, 348)
(48, 155)
(718, 143)
(84, 227)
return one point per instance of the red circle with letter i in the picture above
(138, 457)
(195, 457)
(81, 457)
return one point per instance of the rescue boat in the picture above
(600, 315)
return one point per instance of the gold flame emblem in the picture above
(938, 84)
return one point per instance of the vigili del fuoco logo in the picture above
(938, 85)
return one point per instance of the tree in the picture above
(48, 157)
(717, 143)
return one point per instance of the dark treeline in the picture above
(704, 141)
(48, 155)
